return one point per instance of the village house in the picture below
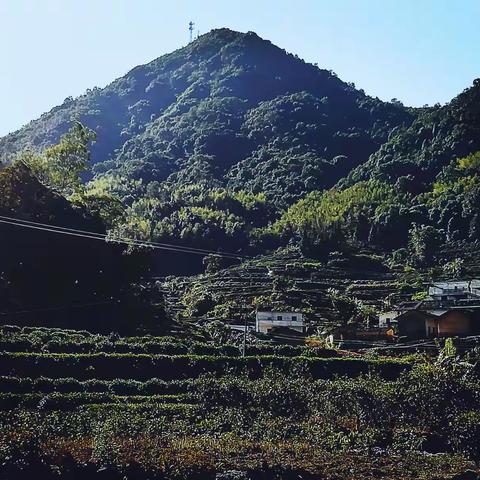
(269, 321)
(450, 309)
(388, 319)
(455, 290)
(413, 324)
(455, 323)
(416, 324)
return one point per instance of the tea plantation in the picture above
(89, 406)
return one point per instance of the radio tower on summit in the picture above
(190, 28)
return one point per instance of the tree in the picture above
(346, 306)
(454, 268)
(319, 242)
(61, 166)
(423, 242)
(213, 263)
(40, 269)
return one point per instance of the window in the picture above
(279, 317)
(294, 318)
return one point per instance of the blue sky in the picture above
(419, 51)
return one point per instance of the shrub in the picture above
(143, 367)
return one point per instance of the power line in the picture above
(18, 224)
(59, 308)
(102, 237)
(123, 239)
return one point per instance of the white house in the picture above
(440, 289)
(388, 319)
(454, 289)
(268, 321)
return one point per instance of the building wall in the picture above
(431, 325)
(440, 288)
(265, 327)
(412, 324)
(475, 286)
(274, 315)
(385, 319)
(266, 321)
(454, 323)
(451, 323)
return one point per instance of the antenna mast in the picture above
(190, 28)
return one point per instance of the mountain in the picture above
(327, 196)
(233, 144)
(229, 109)
(420, 151)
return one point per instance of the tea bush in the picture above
(143, 367)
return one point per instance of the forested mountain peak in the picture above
(231, 142)
(230, 109)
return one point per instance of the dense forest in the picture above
(232, 144)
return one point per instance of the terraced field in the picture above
(282, 280)
(81, 405)
(287, 280)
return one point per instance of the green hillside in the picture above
(232, 144)
(417, 153)
(230, 109)
(139, 220)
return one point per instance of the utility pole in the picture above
(244, 351)
(190, 28)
